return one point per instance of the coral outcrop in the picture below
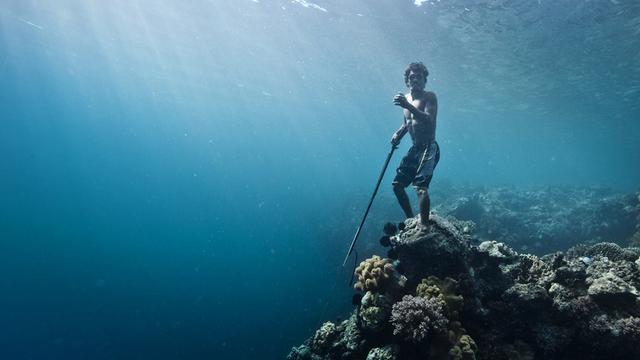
(438, 250)
(331, 341)
(374, 312)
(383, 353)
(488, 301)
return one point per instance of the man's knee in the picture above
(398, 188)
(422, 191)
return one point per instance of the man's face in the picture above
(416, 80)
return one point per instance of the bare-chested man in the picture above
(420, 109)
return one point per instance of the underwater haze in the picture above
(173, 171)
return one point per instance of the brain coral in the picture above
(324, 337)
(444, 291)
(374, 274)
(415, 318)
(464, 349)
(612, 251)
(374, 313)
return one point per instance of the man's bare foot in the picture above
(428, 222)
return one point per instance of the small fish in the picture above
(586, 260)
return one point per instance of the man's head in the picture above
(415, 76)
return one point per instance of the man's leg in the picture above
(403, 199)
(423, 179)
(425, 205)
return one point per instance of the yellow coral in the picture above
(428, 290)
(373, 274)
(457, 345)
(464, 349)
(444, 291)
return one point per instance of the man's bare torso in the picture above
(422, 132)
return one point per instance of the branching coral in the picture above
(416, 318)
(374, 274)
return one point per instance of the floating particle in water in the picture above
(32, 24)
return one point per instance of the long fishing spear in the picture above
(375, 191)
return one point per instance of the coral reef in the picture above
(583, 304)
(537, 220)
(545, 219)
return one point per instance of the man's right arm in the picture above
(399, 134)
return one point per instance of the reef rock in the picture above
(439, 249)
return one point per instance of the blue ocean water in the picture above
(173, 173)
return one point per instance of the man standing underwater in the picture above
(420, 109)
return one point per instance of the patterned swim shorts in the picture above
(417, 166)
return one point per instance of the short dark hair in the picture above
(416, 67)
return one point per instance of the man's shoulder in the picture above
(429, 96)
